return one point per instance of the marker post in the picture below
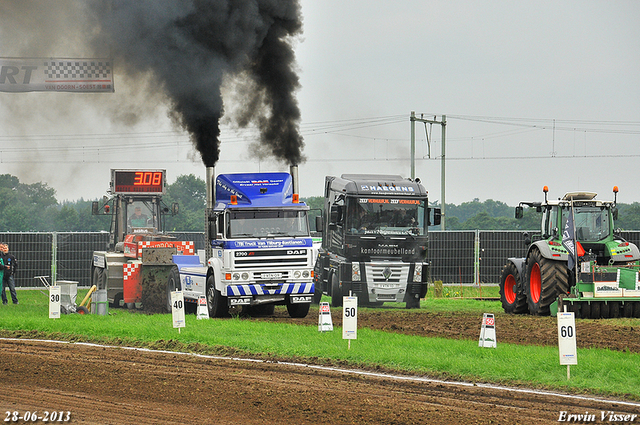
(567, 340)
(349, 318)
(177, 309)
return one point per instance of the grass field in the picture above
(599, 371)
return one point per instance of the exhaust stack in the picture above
(211, 187)
(293, 170)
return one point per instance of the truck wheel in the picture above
(298, 311)
(413, 301)
(173, 284)
(546, 280)
(216, 303)
(98, 278)
(513, 302)
(336, 291)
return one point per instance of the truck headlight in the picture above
(245, 276)
(305, 274)
(355, 272)
(236, 276)
(296, 274)
(417, 273)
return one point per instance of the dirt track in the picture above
(101, 385)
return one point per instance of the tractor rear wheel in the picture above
(216, 303)
(514, 301)
(546, 279)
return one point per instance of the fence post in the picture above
(54, 258)
(476, 258)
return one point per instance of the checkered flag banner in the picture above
(58, 75)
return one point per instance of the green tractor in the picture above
(599, 280)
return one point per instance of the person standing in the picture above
(10, 264)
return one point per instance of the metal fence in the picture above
(66, 256)
(464, 257)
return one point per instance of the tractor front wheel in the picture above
(514, 300)
(546, 279)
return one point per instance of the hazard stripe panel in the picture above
(280, 289)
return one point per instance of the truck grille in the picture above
(270, 259)
(387, 273)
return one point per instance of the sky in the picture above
(534, 93)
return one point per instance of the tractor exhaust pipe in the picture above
(293, 170)
(211, 187)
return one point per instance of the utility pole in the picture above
(443, 124)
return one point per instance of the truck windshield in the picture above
(243, 224)
(592, 223)
(140, 214)
(385, 216)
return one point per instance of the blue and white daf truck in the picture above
(260, 251)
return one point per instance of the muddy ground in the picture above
(104, 385)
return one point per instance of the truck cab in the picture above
(374, 240)
(261, 252)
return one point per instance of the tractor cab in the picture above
(135, 206)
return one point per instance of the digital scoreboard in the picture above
(138, 181)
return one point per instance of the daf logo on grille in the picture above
(386, 273)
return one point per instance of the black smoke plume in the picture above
(189, 47)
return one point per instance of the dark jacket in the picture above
(11, 261)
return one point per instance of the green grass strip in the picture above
(599, 371)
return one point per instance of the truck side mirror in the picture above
(319, 224)
(95, 208)
(519, 212)
(174, 208)
(437, 216)
(212, 228)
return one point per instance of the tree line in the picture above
(34, 208)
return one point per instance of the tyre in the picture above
(116, 300)
(413, 301)
(216, 303)
(298, 311)
(585, 310)
(98, 278)
(82, 310)
(514, 301)
(336, 291)
(173, 284)
(317, 295)
(546, 279)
